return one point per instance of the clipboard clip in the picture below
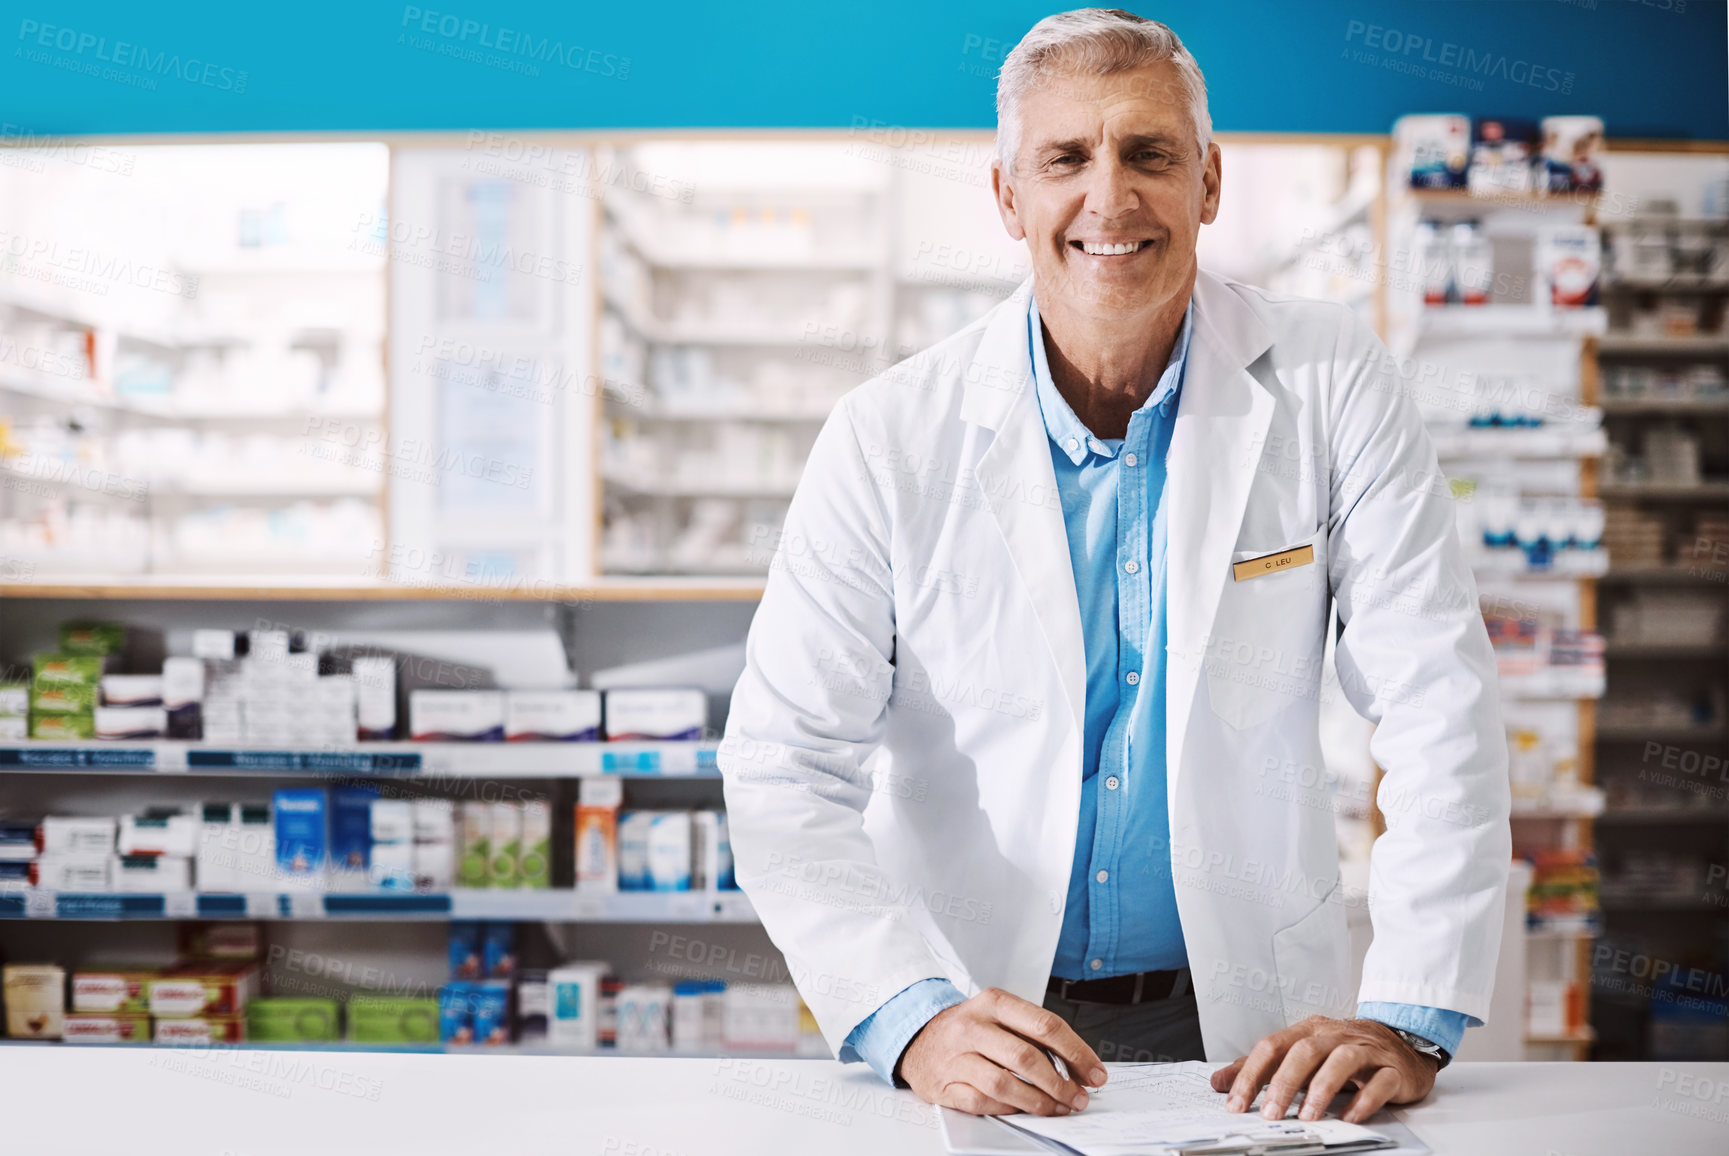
(1298, 1143)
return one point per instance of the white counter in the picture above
(149, 1101)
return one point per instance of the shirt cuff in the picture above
(884, 1034)
(1437, 1025)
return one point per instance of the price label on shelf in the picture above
(39, 904)
(180, 905)
(261, 907)
(304, 905)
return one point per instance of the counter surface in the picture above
(147, 1101)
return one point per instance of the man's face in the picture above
(1109, 190)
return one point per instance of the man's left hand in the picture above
(1325, 1055)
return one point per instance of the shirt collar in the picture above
(1067, 432)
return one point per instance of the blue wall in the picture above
(1652, 68)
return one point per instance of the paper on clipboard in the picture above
(1159, 1109)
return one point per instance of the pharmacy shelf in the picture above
(1663, 491)
(543, 906)
(1584, 1036)
(1669, 282)
(1477, 321)
(713, 414)
(1662, 816)
(768, 488)
(1668, 406)
(1553, 683)
(1512, 563)
(1585, 806)
(1523, 444)
(1667, 574)
(529, 1048)
(230, 588)
(384, 760)
(1628, 344)
(1654, 650)
(1665, 734)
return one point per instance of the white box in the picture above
(761, 1016)
(182, 681)
(574, 1018)
(711, 852)
(656, 714)
(151, 874)
(213, 644)
(669, 838)
(551, 715)
(434, 866)
(392, 821)
(78, 835)
(633, 828)
(131, 722)
(375, 697)
(73, 872)
(217, 860)
(131, 690)
(393, 866)
(267, 645)
(14, 701)
(456, 715)
(158, 835)
(644, 1014)
(434, 821)
(14, 728)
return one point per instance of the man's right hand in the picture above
(986, 1057)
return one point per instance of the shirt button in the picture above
(1097, 964)
(1111, 783)
(1133, 679)
(1102, 876)
(1074, 444)
(1132, 566)
(1130, 460)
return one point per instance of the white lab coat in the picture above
(902, 762)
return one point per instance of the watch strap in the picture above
(1424, 1047)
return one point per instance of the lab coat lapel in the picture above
(1215, 445)
(1020, 487)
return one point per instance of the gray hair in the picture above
(1097, 40)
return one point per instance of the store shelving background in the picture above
(605, 367)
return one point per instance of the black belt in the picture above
(1141, 987)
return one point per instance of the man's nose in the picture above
(1112, 192)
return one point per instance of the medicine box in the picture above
(711, 852)
(35, 999)
(351, 824)
(14, 700)
(574, 997)
(669, 847)
(644, 1017)
(375, 698)
(503, 862)
(1433, 150)
(202, 989)
(83, 873)
(131, 690)
(439, 716)
(62, 698)
(150, 874)
(78, 835)
(17, 841)
(475, 849)
(498, 950)
(533, 1002)
(434, 866)
(393, 866)
(392, 1020)
(201, 1030)
(158, 833)
(62, 727)
(14, 728)
(551, 715)
(301, 815)
(217, 645)
(130, 722)
(534, 861)
(656, 714)
(597, 806)
(49, 669)
(92, 637)
(117, 990)
(633, 829)
(106, 1028)
(283, 1020)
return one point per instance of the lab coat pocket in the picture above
(1313, 961)
(1264, 652)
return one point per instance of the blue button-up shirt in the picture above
(1121, 915)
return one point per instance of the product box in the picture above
(475, 850)
(106, 1028)
(1572, 154)
(77, 835)
(464, 943)
(35, 999)
(15, 873)
(503, 861)
(534, 861)
(14, 699)
(230, 941)
(14, 728)
(280, 1020)
(150, 874)
(644, 1017)
(131, 690)
(375, 698)
(17, 841)
(669, 848)
(392, 821)
(62, 727)
(351, 836)
(1433, 150)
(50, 669)
(393, 866)
(217, 859)
(656, 714)
(82, 873)
(597, 806)
(434, 821)
(456, 716)
(113, 990)
(183, 696)
(474, 1012)
(1503, 156)
(633, 829)
(498, 950)
(206, 988)
(574, 990)
(434, 866)
(92, 637)
(215, 645)
(533, 1006)
(1569, 261)
(392, 1020)
(201, 1030)
(302, 833)
(711, 853)
(760, 1017)
(551, 716)
(74, 698)
(158, 832)
(456, 1013)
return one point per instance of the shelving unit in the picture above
(546, 906)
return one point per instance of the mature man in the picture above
(1015, 767)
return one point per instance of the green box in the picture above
(392, 1020)
(473, 867)
(62, 726)
(53, 668)
(92, 637)
(63, 698)
(279, 1020)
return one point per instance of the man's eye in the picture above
(1067, 159)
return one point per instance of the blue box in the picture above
(498, 950)
(351, 827)
(465, 950)
(455, 1015)
(489, 1011)
(302, 834)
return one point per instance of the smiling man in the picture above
(1048, 807)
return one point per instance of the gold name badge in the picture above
(1273, 563)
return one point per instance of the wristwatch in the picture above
(1423, 1047)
